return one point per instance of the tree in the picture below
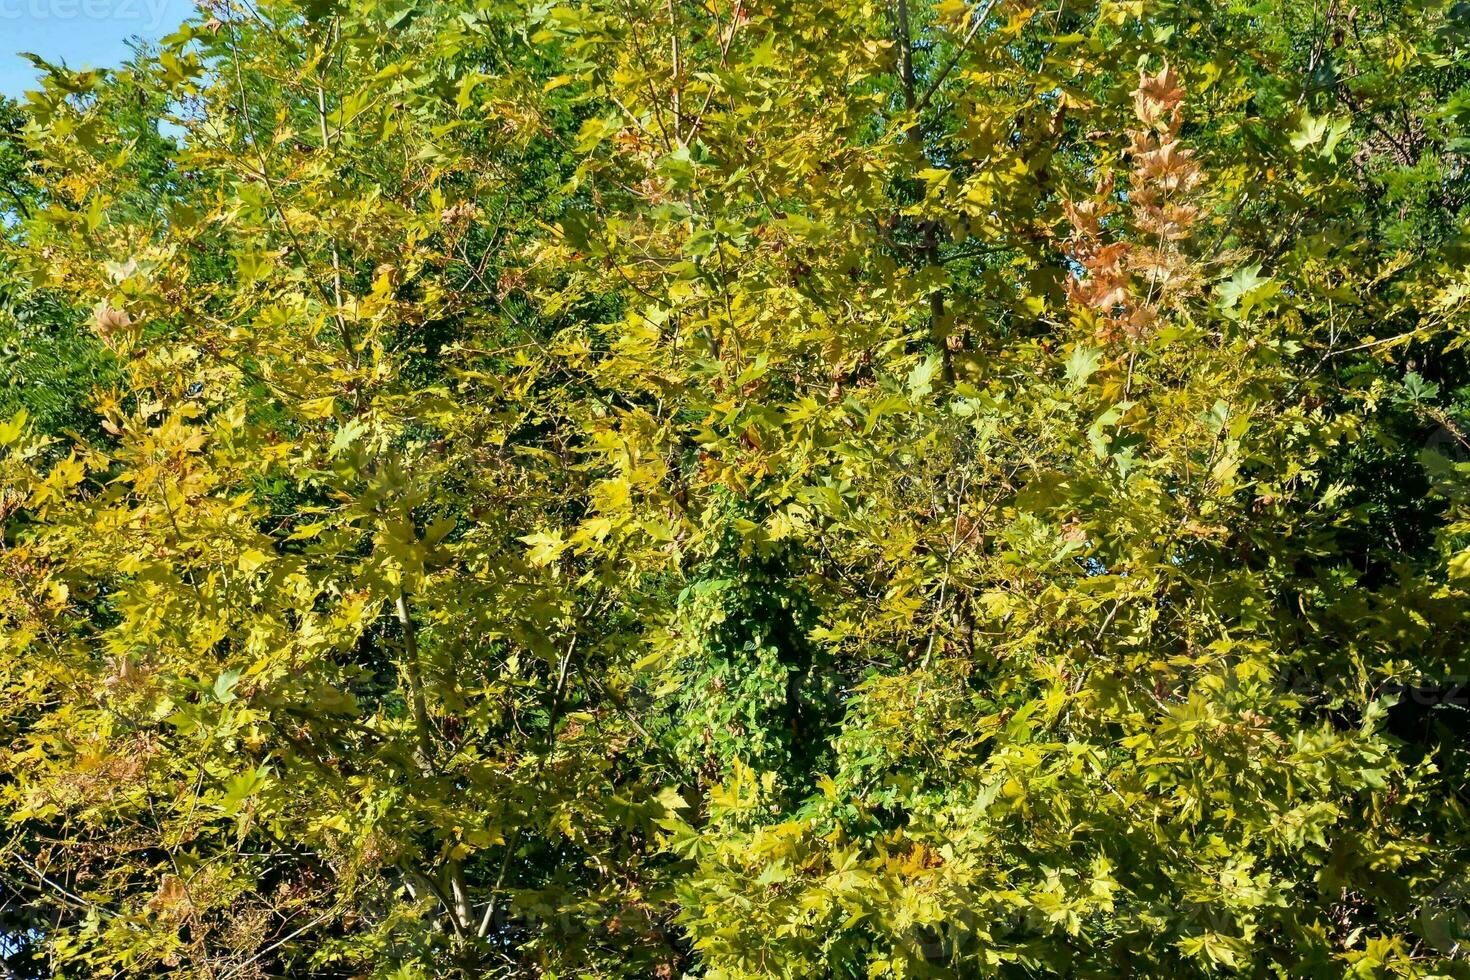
(743, 490)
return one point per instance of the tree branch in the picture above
(980, 17)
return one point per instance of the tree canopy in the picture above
(738, 489)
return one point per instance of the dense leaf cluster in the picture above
(746, 488)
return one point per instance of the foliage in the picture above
(742, 489)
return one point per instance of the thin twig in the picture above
(980, 17)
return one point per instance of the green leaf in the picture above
(240, 787)
(1416, 389)
(921, 377)
(224, 686)
(1081, 364)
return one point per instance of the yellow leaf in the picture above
(545, 547)
(251, 559)
(319, 408)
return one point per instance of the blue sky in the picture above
(81, 33)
